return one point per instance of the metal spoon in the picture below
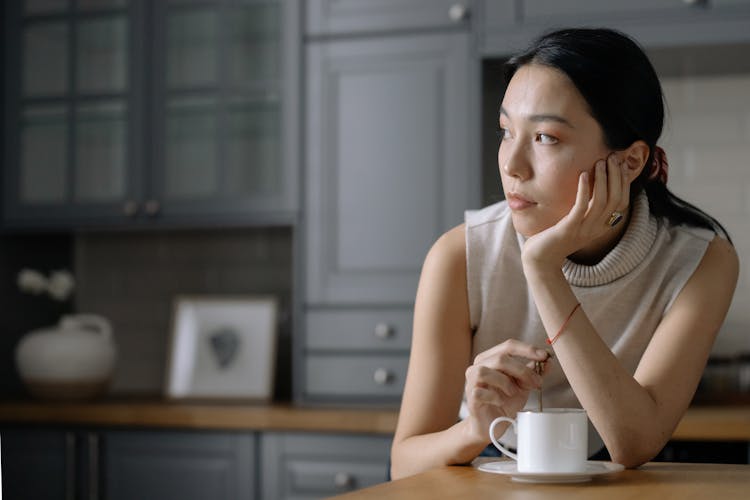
(539, 368)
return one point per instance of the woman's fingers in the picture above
(513, 347)
(614, 184)
(598, 200)
(507, 362)
(490, 378)
(582, 197)
(610, 192)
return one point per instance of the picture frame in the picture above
(222, 347)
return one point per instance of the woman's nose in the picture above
(513, 161)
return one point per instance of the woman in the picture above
(590, 259)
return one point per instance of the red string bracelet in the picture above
(562, 328)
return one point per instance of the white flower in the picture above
(32, 281)
(61, 284)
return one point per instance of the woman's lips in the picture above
(518, 202)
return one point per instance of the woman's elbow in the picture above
(397, 469)
(631, 455)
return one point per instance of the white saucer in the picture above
(593, 468)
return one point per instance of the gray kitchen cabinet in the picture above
(389, 149)
(357, 355)
(40, 465)
(387, 330)
(336, 17)
(72, 95)
(225, 85)
(47, 464)
(505, 26)
(132, 112)
(164, 465)
(387, 162)
(367, 378)
(311, 466)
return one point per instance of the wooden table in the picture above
(663, 481)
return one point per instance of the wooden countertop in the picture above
(653, 480)
(716, 423)
(214, 416)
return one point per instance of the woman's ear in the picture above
(635, 157)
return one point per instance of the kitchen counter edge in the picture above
(205, 416)
(709, 423)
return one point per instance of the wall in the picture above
(707, 140)
(132, 278)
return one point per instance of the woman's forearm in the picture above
(459, 444)
(622, 411)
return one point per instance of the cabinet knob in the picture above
(343, 480)
(130, 208)
(458, 12)
(383, 331)
(382, 376)
(152, 207)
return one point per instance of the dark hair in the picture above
(624, 95)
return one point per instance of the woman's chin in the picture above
(525, 227)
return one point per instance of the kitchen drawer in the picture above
(355, 376)
(368, 330)
(320, 465)
(551, 10)
(329, 17)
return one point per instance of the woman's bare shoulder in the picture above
(712, 284)
(449, 251)
(720, 261)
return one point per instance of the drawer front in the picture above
(368, 330)
(607, 12)
(313, 465)
(325, 478)
(355, 376)
(327, 17)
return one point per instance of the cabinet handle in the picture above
(152, 207)
(130, 208)
(458, 12)
(93, 459)
(383, 331)
(381, 376)
(70, 466)
(694, 2)
(343, 480)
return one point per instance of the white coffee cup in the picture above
(555, 440)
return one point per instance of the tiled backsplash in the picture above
(707, 140)
(132, 278)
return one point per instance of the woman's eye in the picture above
(545, 139)
(503, 133)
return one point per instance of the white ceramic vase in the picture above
(73, 360)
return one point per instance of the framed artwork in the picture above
(222, 347)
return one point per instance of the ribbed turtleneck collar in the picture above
(630, 251)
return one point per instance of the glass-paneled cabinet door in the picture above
(70, 94)
(101, 174)
(220, 105)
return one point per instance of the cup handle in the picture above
(500, 447)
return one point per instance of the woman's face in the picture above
(548, 139)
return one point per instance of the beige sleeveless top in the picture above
(625, 295)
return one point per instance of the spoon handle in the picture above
(538, 368)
